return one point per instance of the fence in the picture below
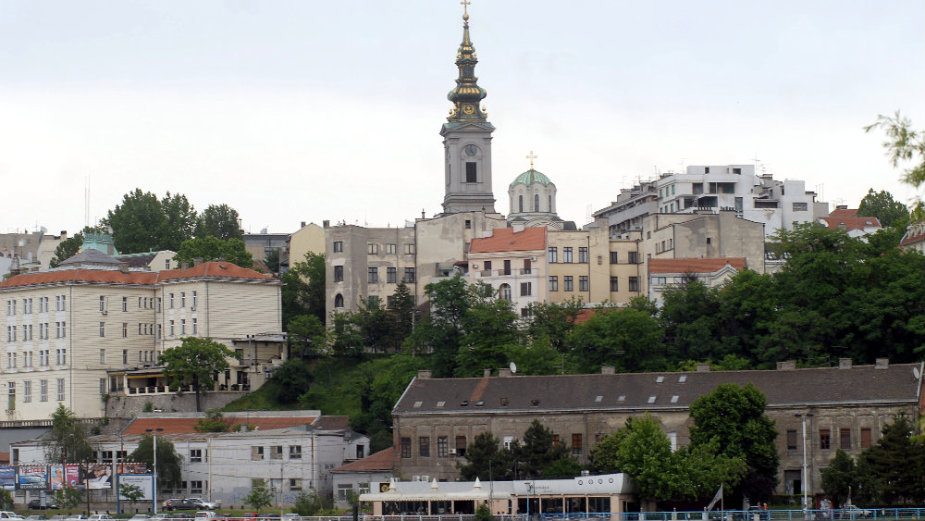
(854, 514)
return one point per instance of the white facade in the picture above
(222, 466)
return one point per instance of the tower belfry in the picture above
(467, 136)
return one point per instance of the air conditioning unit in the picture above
(105, 312)
(452, 452)
(192, 308)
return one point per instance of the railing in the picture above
(854, 514)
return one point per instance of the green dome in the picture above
(532, 177)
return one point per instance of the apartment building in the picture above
(66, 329)
(513, 263)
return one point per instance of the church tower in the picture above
(467, 137)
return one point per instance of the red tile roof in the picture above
(848, 219)
(212, 269)
(4, 457)
(381, 461)
(694, 265)
(204, 270)
(188, 425)
(912, 239)
(80, 275)
(506, 239)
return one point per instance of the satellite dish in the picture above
(514, 368)
(916, 373)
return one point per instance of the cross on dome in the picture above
(465, 4)
(531, 156)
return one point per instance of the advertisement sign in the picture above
(60, 476)
(97, 476)
(7, 477)
(143, 481)
(32, 477)
(132, 468)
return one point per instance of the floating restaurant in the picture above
(597, 495)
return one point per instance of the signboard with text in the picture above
(32, 477)
(142, 481)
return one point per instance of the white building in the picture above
(667, 273)
(293, 451)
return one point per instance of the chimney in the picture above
(326, 223)
(844, 363)
(882, 363)
(424, 374)
(703, 368)
(504, 372)
(422, 213)
(607, 369)
(486, 372)
(303, 225)
(63, 234)
(787, 365)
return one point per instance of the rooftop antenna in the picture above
(756, 160)
(87, 201)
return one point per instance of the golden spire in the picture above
(467, 94)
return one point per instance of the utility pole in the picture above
(153, 433)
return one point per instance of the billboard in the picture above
(132, 468)
(142, 481)
(97, 476)
(7, 477)
(32, 477)
(60, 476)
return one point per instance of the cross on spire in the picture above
(531, 156)
(465, 4)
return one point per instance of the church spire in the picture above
(467, 94)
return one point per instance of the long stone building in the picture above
(845, 407)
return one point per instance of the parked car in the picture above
(40, 504)
(99, 517)
(849, 511)
(4, 514)
(180, 504)
(141, 517)
(205, 515)
(203, 504)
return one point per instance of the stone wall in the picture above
(130, 406)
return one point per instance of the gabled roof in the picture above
(695, 265)
(848, 219)
(893, 384)
(382, 461)
(506, 239)
(219, 269)
(187, 425)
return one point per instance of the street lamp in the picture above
(153, 433)
(805, 484)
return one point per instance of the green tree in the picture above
(309, 504)
(628, 339)
(840, 478)
(291, 380)
(689, 317)
(6, 499)
(898, 463)
(67, 249)
(402, 310)
(553, 322)
(196, 362)
(307, 335)
(380, 385)
(303, 288)
(537, 451)
(214, 249)
(260, 496)
(67, 441)
(644, 452)
(441, 331)
(168, 461)
(131, 492)
(137, 223)
(733, 418)
(68, 498)
(483, 513)
(179, 221)
(904, 145)
(886, 209)
(489, 328)
(272, 260)
(486, 460)
(219, 220)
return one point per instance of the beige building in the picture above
(845, 408)
(309, 238)
(667, 273)
(66, 329)
(513, 264)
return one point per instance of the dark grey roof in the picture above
(137, 260)
(634, 391)
(90, 256)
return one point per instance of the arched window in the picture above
(536, 202)
(550, 203)
(504, 292)
(521, 203)
(338, 301)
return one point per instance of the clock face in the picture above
(469, 109)
(471, 150)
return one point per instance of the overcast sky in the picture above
(306, 110)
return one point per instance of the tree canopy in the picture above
(196, 362)
(220, 221)
(211, 248)
(887, 210)
(67, 440)
(168, 461)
